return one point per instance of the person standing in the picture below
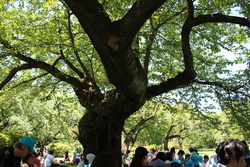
(11, 156)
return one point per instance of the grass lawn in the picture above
(209, 152)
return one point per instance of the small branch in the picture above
(221, 86)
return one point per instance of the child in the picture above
(180, 155)
(187, 162)
(206, 158)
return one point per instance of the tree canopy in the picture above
(116, 56)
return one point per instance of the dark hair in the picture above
(27, 157)
(104, 157)
(191, 149)
(175, 164)
(206, 156)
(247, 161)
(169, 156)
(161, 155)
(172, 150)
(20, 145)
(232, 148)
(140, 153)
(181, 152)
(51, 151)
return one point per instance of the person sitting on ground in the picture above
(152, 154)
(187, 162)
(232, 152)
(181, 155)
(11, 156)
(81, 163)
(140, 158)
(50, 160)
(66, 157)
(169, 157)
(159, 161)
(104, 159)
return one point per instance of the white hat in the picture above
(90, 157)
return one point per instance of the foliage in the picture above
(44, 117)
(9, 138)
(59, 149)
(55, 59)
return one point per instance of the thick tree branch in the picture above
(138, 14)
(186, 77)
(52, 70)
(13, 72)
(42, 65)
(91, 16)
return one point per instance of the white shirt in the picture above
(48, 160)
(212, 162)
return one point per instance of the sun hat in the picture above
(28, 141)
(176, 161)
(90, 157)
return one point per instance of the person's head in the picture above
(206, 158)
(192, 150)
(169, 156)
(24, 147)
(188, 156)
(172, 150)
(152, 150)
(181, 153)
(139, 157)
(104, 159)
(232, 152)
(51, 152)
(176, 163)
(161, 155)
(29, 159)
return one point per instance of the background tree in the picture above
(143, 47)
(134, 126)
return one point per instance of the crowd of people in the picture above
(229, 153)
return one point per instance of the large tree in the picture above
(144, 47)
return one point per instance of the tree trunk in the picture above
(166, 143)
(100, 129)
(180, 141)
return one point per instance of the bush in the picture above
(9, 139)
(59, 149)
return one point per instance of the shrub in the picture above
(9, 138)
(59, 149)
